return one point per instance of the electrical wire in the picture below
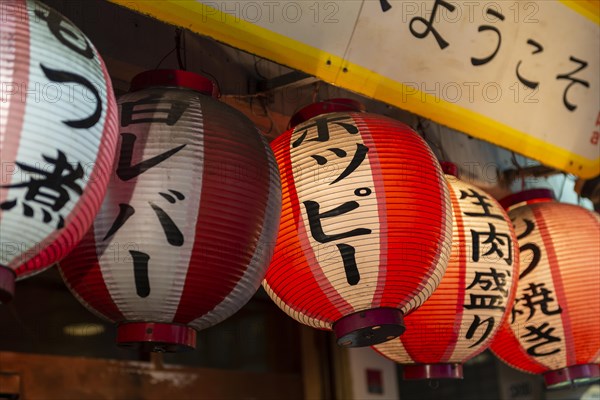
(164, 58)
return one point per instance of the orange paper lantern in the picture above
(554, 327)
(464, 313)
(366, 223)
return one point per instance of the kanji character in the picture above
(64, 76)
(536, 295)
(490, 281)
(481, 202)
(483, 28)
(322, 126)
(428, 24)
(140, 259)
(50, 188)
(485, 301)
(315, 218)
(500, 244)
(527, 82)
(140, 273)
(172, 232)
(65, 32)
(543, 335)
(477, 322)
(357, 159)
(153, 104)
(569, 76)
(529, 227)
(127, 171)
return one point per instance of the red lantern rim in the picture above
(173, 78)
(450, 168)
(325, 107)
(574, 375)
(157, 337)
(369, 327)
(527, 196)
(432, 371)
(7, 284)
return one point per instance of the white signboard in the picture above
(524, 75)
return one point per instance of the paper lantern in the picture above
(464, 313)
(185, 234)
(58, 132)
(366, 224)
(554, 327)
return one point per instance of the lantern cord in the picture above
(266, 113)
(315, 94)
(256, 70)
(179, 43)
(163, 59)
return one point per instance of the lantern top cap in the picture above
(450, 168)
(325, 107)
(173, 78)
(527, 196)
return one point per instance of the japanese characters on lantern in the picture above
(554, 327)
(365, 229)
(58, 134)
(474, 297)
(174, 247)
(421, 28)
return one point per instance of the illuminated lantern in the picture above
(554, 327)
(366, 225)
(474, 298)
(58, 133)
(185, 234)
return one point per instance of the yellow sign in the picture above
(524, 75)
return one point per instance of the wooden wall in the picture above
(57, 377)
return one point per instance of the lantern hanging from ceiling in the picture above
(58, 133)
(474, 297)
(366, 224)
(554, 327)
(185, 234)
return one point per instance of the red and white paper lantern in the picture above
(58, 132)
(554, 327)
(185, 233)
(464, 313)
(366, 223)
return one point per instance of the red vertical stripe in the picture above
(460, 264)
(554, 265)
(416, 210)
(58, 244)
(87, 281)
(235, 187)
(310, 292)
(510, 350)
(377, 175)
(432, 330)
(16, 108)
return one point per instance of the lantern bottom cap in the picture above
(432, 371)
(369, 327)
(156, 336)
(7, 284)
(575, 375)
